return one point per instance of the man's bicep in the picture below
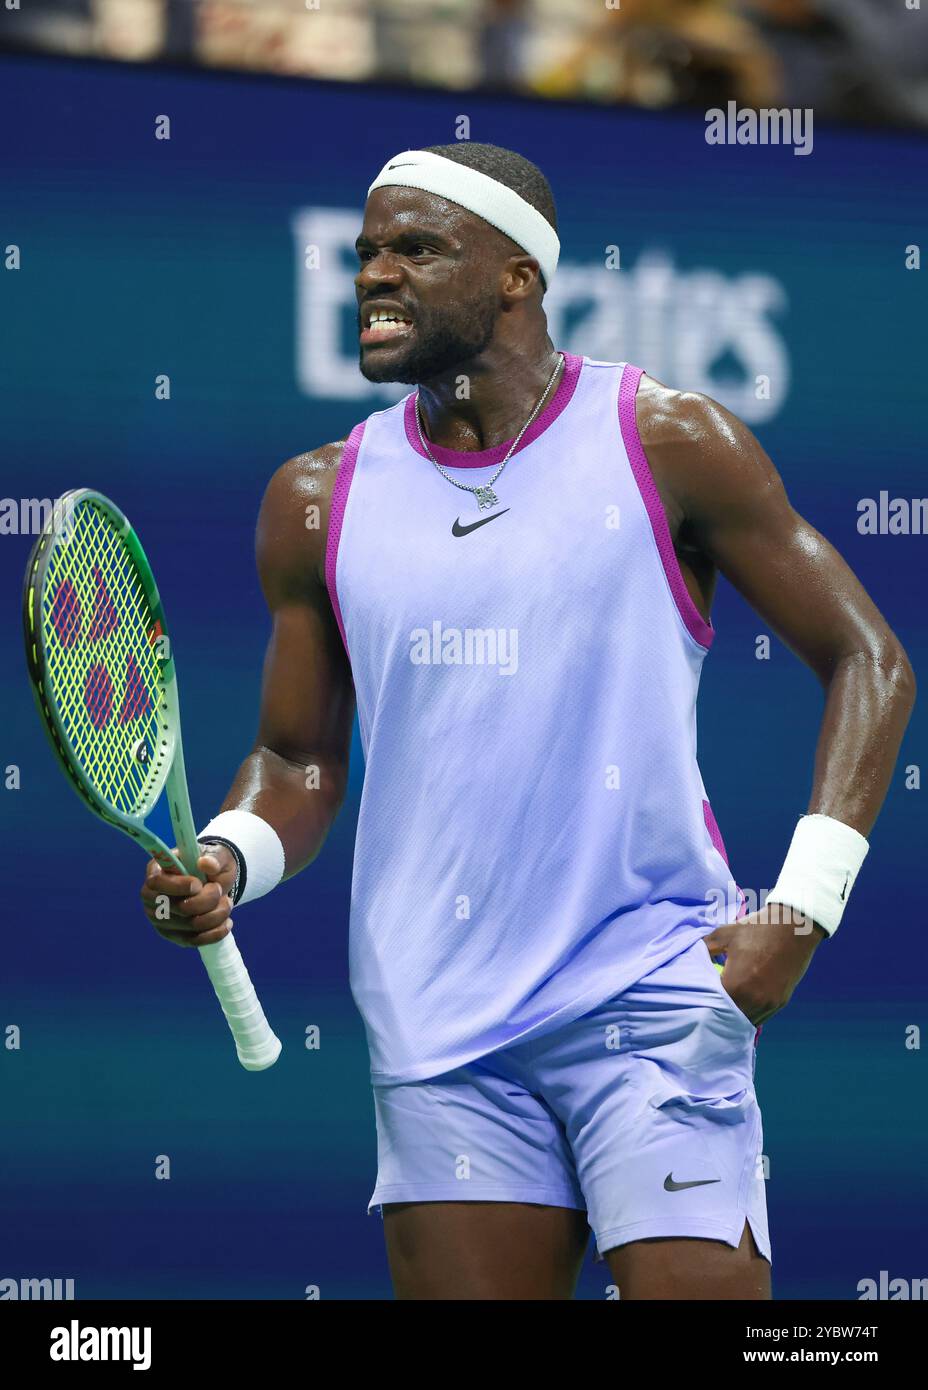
(307, 694)
(307, 699)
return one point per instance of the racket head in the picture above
(99, 660)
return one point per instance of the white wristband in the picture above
(819, 871)
(258, 846)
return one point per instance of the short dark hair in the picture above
(514, 170)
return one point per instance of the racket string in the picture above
(102, 671)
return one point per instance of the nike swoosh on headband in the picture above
(479, 193)
(459, 530)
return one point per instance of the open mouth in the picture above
(383, 326)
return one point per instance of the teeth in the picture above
(385, 316)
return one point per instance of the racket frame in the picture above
(168, 772)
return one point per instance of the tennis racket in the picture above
(102, 674)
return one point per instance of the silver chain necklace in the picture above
(485, 495)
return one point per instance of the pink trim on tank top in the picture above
(696, 625)
(715, 835)
(340, 492)
(488, 458)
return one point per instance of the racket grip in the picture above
(255, 1042)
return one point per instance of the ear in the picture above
(521, 279)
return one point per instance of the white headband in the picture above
(493, 201)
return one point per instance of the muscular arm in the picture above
(307, 696)
(728, 508)
(296, 773)
(728, 511)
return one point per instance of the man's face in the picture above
(427, 287)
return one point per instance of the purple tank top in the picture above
(534, 834)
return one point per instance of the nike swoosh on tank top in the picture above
(534, 834)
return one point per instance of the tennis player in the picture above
(512, 577)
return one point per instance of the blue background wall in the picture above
(142, 257)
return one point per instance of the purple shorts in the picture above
(642, 1113)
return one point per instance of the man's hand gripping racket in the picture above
(103, 677)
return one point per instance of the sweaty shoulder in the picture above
(697, 450)
(670, 417)
(293, 524)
